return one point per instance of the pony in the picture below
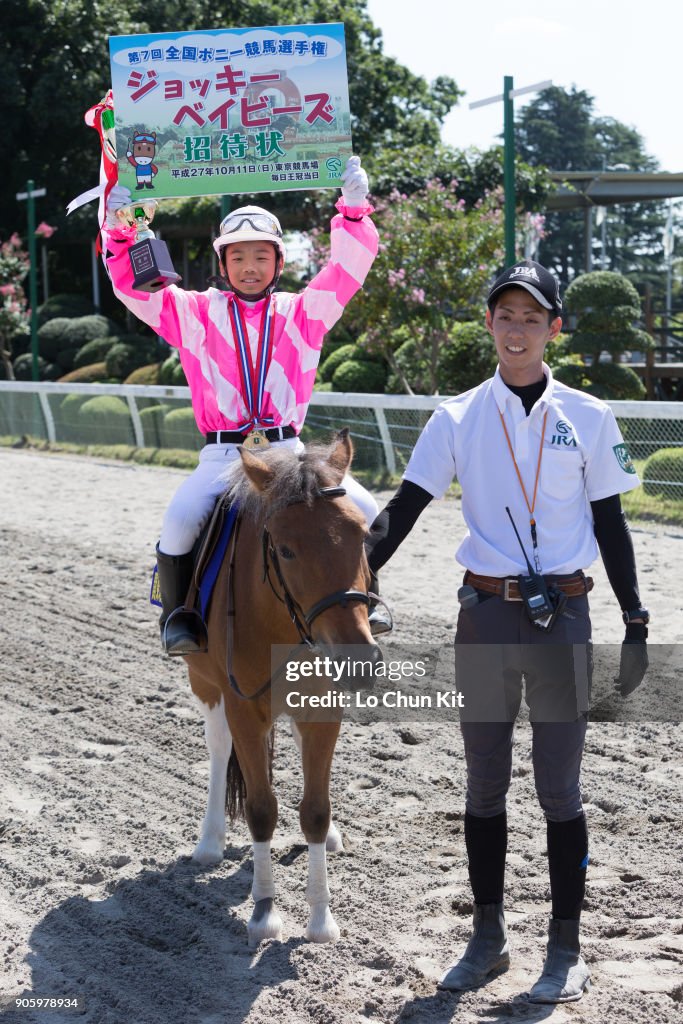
(295, 572)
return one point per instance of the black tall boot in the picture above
(379, 615)
(182, 629)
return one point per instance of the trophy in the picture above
(149, 256)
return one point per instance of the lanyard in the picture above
(532, 506)
(253, 375)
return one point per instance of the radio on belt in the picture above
(542, 603)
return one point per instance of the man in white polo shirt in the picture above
(549, 462)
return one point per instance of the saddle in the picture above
(209, 551)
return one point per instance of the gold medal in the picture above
(257, 439)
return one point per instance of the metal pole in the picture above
(509, 170)
(33, 277)
(588, 229)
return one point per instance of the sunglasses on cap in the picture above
(257, 221)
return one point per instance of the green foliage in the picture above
(94, 373)
(64, 305)
(129, 353)
(180, 429)
(341, 355)
(614, 382)
(144, 375)
(152, 420)
(662, 470)
(62, 333)
(602, 290)
(359, 375)
(468, 358)
(105, 419)
(14, 317)
(472, 172)
(93, 351)
(435, 262)
(23, 367)
(323, 386)
(171, 372)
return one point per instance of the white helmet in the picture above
(249, 224)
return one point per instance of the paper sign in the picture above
(231, 110)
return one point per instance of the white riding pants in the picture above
(193, 502)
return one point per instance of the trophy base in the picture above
(152, 266)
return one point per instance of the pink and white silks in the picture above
(198, 324)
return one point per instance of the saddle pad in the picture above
(212, 547)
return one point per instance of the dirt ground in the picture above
(103, 783)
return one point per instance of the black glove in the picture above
(634, 660)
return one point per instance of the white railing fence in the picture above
(384, 427)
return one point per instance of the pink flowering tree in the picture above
(14, 314)
(436, 258)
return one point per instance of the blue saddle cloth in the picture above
(212, 567)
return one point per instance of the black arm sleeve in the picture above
(616, 547)
(394, 523)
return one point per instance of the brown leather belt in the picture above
(507, 587)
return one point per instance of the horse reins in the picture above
(302, 620)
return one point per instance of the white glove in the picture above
(355, 187)
(119, 197)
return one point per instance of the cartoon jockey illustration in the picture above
(140, 153)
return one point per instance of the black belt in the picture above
(237, 437)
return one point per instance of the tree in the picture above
(435, 261)
(559, 130)
(605, 305)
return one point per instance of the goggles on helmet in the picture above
(256, 221)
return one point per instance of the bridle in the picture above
(301, 619)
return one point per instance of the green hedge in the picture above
(94, 373)
(152, 420)
(359, 375)
(663, 474)
(180, 430)
(105, 419)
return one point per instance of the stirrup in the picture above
(193, 637)
(380, 621)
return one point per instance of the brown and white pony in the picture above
(297, 569)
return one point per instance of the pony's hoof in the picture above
(322, 927)
(265, 923)
(208, 851)
(333, 842)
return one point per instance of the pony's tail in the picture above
(236, 790)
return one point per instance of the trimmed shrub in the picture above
(96, 373)
(612, 381)
(341, 355)
(323, 386)
(122, 359)
(63, 333)
(94, 351)
(180, 430)
(469, 359)
(152, 420)
(64, 305)
(66, 418)
(144, 375)
(663, 474)
(105, 419)
(171, 372)
(23, 367)
(357, 375)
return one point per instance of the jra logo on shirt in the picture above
(563, 436)
(623, 457)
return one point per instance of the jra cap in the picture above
(535, 279)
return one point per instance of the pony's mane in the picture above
(298, 477)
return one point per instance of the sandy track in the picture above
(103, 782)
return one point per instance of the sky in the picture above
(625, 54)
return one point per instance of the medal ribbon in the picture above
(253, 375)
(531, 506)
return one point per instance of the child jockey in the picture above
(250, 357)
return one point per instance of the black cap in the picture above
(535, 279)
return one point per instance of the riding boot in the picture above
(182, 629)
(565, 975)
(487, 954)
(379, 616)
